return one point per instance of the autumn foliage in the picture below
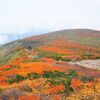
(45, 72)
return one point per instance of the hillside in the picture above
(75, 38)
(61, 65)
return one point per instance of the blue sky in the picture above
(22, 18)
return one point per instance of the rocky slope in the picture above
(95, 64)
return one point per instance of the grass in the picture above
(53, 55)
(10, 56)
(87, 79)
(26, 61)
(12, 67)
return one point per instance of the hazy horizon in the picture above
(36, 34)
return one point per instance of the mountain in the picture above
(71, 40)
(61, 65)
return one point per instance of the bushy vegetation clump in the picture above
(67, 85)
(33, 75)
(61, 82)
(54, 78)
(72, 73)
(16, 79)
(87, 79)
(46, 74)
(53, 55)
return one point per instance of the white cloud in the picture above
(3, 39)
(20, 16)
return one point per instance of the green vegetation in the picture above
(33, 75)
(89, 55)
(72, 73)
(17, 79)
(8, 57)
(12, 67)
(68, 88)
(54, 78)
(59, 74)
(11, 50)
(36, 59)
(56, 81)
(26, 61)
(97, 57)
(55, 74)
(87, 79)
(48, 74)
(58, 78)
(59, 81)
(53, 55)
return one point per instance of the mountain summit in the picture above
(71, 40)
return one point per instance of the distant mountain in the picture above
(82, 37)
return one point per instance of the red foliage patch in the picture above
(75, 84)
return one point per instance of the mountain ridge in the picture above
(76, 36)
(58, 65)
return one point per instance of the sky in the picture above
(22, 18)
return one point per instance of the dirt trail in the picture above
(95, 64)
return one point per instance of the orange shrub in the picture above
(57, 97)
(90, 84)
(34, 97)
(57, 88)
(75, 84)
